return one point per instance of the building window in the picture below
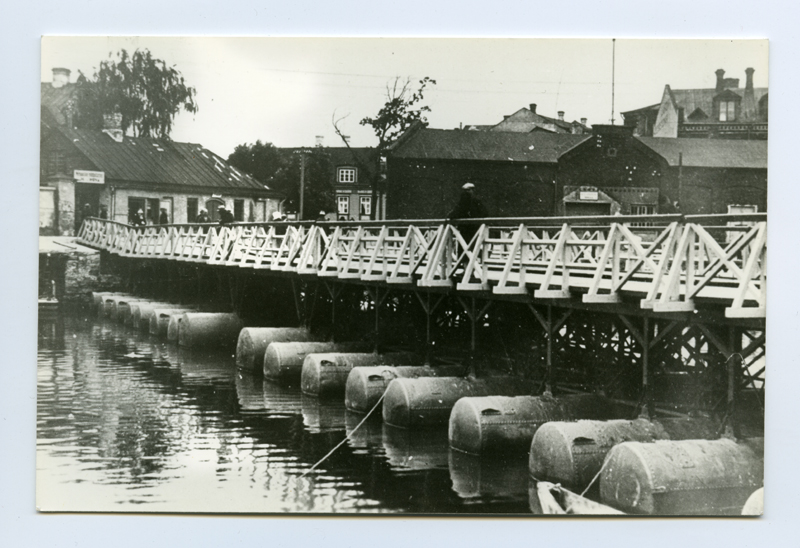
(191, 210)
(347, 175)
(365, 205)
(727, 111)
(238, 210)
(611, 152)
(343, 205)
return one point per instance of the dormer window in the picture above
(727, 111)
(346, 175)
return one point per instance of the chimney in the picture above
(60, 77)
(749, 72)
(561, 115)
(112, 126)
(749, 106)
(720, 80)
(583, 121)
(532, 107)
(318, 140)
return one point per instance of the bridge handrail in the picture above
(670, 259)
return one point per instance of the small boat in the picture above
(555, 500)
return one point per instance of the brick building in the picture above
(116, 175)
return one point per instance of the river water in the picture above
(126, 422)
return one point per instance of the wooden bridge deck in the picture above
(666, 263)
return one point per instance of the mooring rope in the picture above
(594, 479)
(346, 437)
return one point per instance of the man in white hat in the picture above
(468, 207)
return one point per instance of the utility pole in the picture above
(613, 72)
(303, 153)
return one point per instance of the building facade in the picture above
(617, 172)
(526, 120)
(514, 173)
(109, 174)
(726, 111)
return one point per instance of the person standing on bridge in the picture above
(225, 216)
(202, 216)
(163, 217)
(468, 207)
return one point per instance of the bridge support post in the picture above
(378, 295)
(475, 313)
(334, 291)
(644, 338)
(550, 329)
(429, 310)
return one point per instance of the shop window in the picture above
(347, 175)
(343, 205)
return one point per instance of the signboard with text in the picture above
(92, 177)
(589, 195)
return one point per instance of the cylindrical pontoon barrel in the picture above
(205, 329)
(755, 504)
(682, 477)
(326, 374)
(110, 304)
(160, 320)
(124, 309)
(283, 361)
(366, 385)
(428, 400)
(98, 300)
(253, 342)
(571, 453)
(142, 311)
(500, 423)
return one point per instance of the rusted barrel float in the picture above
(572, 453)
(283, 361)
(690, 477)
(507, 424)
(326, 374)
(366, 385)
(208, 329)
(755, 504)
(427, 401)
(253, 342)
(160, 319)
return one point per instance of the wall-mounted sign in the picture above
(93, 177)
(589, 195)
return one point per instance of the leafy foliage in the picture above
(144, 90)
(401, 110)
(279, 169)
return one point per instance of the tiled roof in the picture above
(719, 153)
(448, 144)
(146, 160)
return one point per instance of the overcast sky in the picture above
(287, 90)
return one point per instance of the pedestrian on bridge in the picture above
(468, 207)
(202, 216)
(225, 216)
(163, 218)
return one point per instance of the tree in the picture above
(401, 110)
(279, 169)
(144, 90)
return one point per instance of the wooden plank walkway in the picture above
(669, 263)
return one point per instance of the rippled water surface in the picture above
(129, 423)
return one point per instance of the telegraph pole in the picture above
(302, 152)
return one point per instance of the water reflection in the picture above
(408, 449)
(489, 479)
(128, 422)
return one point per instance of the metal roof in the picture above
(449, 144)
(719, 153)
(159, 161)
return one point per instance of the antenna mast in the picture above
(613, 70)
